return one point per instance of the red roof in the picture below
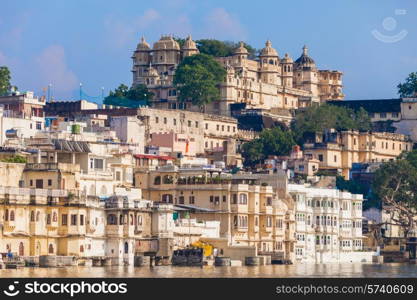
(151, 156)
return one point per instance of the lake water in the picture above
(274, 271)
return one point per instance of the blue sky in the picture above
(91, 41)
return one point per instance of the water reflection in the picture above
(276, 271)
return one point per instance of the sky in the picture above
(65, 43)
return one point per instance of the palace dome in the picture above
(241, 49)
(189, 44)
(143, 45)
(287, 59)
(166, 43)
(304, 59)
(268, 50)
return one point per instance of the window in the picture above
(211, 198)
(191, 199)
(181, 199)
(196, 124)
(64, 220)
(335, 158)
(269, 201)
(383, 115)
(243, 199)
(73, 220)
(394, 115)
(206, 125)
(156, 120)
(157, 180)
(234, 199)
(189, 123)
(49, 182)
(32, 216)
(224, 198)
(82, 220)
(54, 217)
(175, 121)
(48, 219)
(320, 157)
(165, 120)
(39, 183)
(167, 198)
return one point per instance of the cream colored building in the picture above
(250, 214)
(336, 151)
(267, 82)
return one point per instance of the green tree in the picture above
(395, 184)
(5, 78)
(275, 141)
(218, 48)
(318, 118)
(409, 87)
(196, 79)
(129, 97)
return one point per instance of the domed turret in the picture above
(287, 59)
(287, 70)
(189, 48)
(305, 60)
(268, 50)
(241, 50)
(166, 43)
(143, 45)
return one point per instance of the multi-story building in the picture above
(328, 225)
(21, 116)
(51, 220)
(268, 82)
(336, 151)
(251, 216)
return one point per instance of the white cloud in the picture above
(220, 24)
(122, 32)
(51, 67)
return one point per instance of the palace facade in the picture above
(266, 82)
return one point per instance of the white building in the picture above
(328, 225)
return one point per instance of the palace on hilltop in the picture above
(268, 82)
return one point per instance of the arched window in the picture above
(81, 248)
(126, 248)
(131, 219)
(167, 198)
(157, 180)
(112, 220)
(51, 249)
(139, 220)
(32, 216)
(37, 216)
(12, 215)
(121, 220)
(54, 217)
(243, 199)
(48, 219)
(6, 215)
(271, 62)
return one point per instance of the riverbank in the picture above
(269, 271)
